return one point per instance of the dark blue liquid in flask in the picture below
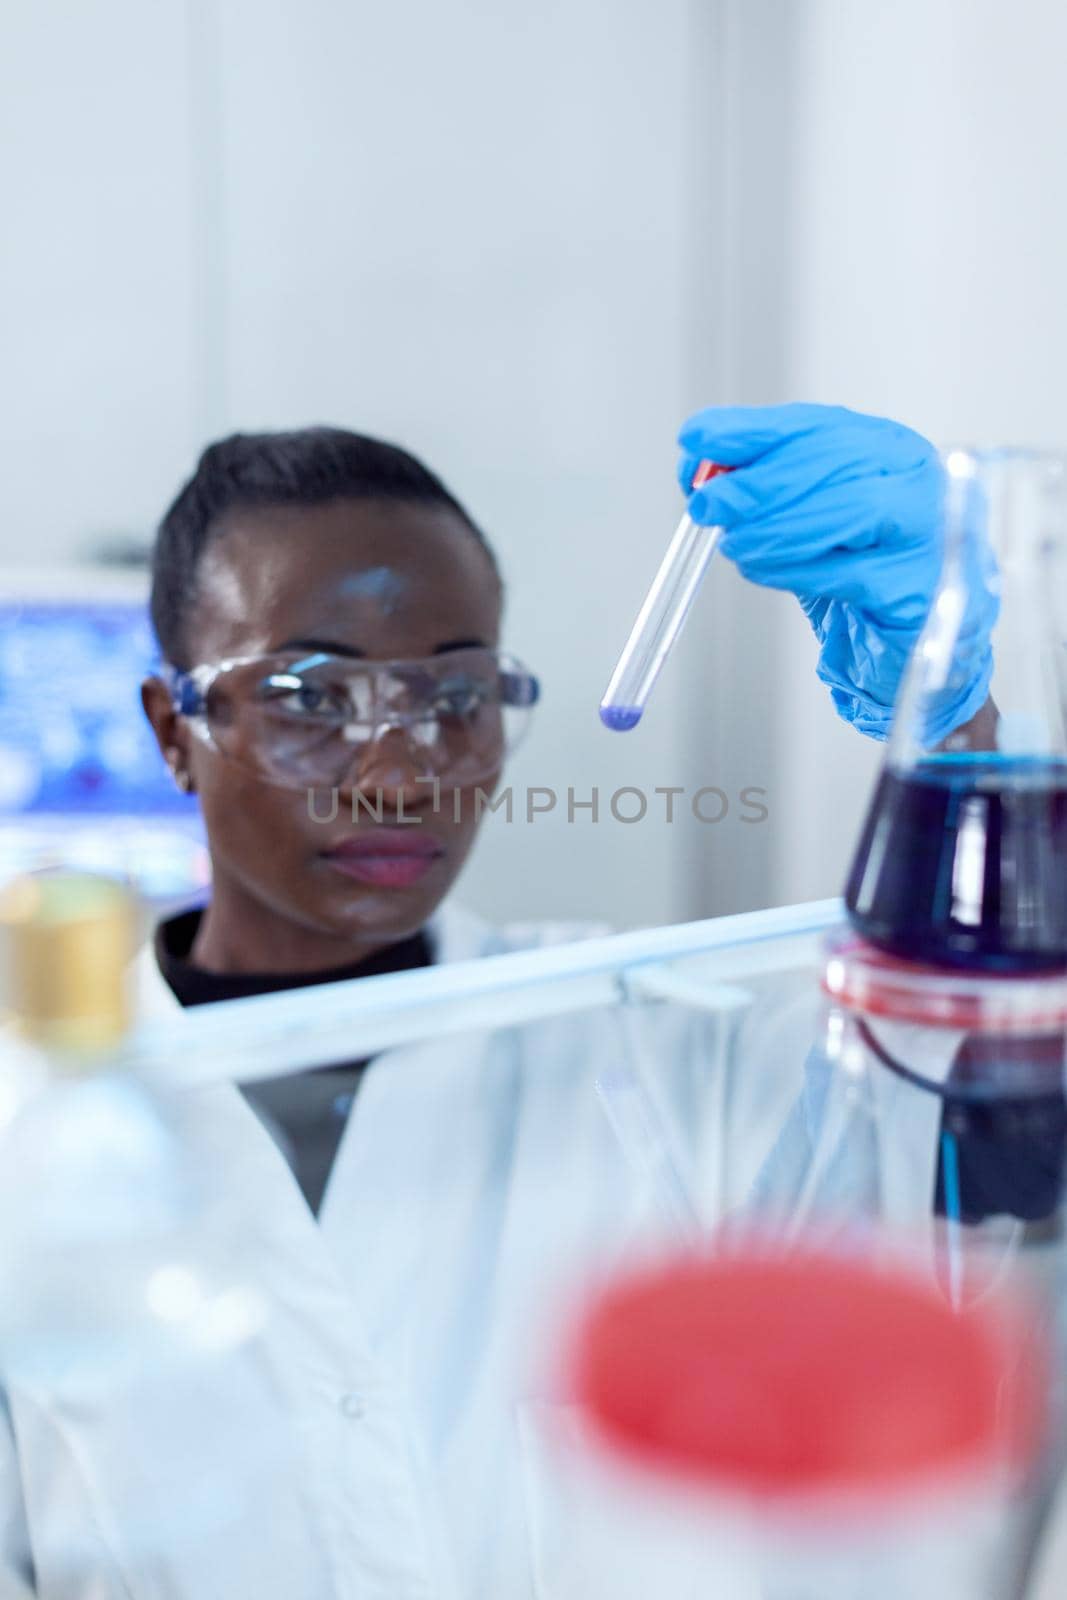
(962, 861)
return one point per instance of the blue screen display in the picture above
(73, 735)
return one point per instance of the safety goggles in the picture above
(307, 721)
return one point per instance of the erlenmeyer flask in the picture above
(963, 855)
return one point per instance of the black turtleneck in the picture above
(305, 1113)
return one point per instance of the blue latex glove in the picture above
(844, 511)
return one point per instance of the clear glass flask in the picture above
(934, 1106)
(963, 855)
(133, 1329)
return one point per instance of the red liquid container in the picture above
(800, 1425)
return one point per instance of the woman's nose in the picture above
(388, 763)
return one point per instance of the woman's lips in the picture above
(386, 857)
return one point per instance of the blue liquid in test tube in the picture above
(661, 618)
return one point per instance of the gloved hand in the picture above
(843, 510)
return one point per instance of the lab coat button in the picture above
(352, 1406)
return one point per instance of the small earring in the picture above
(179, 774)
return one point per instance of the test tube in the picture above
(660, 619)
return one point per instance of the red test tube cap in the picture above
(705, 472)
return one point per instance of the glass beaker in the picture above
(963, 855)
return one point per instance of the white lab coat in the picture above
(478, 1178)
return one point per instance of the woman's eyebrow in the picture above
(335, 649)
(460, 644)
(323, 645)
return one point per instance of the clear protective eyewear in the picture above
(307, 720)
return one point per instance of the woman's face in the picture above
(361, 578)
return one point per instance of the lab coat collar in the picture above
(455, 935)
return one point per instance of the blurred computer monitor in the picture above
(82, 781)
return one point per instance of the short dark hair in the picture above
(304, 467)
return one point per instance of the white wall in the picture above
(525, 241)
(734, 655)
(527, 249)
(467, 228)
(97, 302)
(924, 279)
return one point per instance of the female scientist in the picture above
(336, 696)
